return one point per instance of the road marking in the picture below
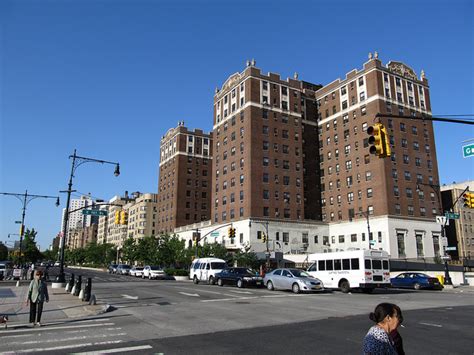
(130, 297)
(117, 350)
(432, 324)
(47, 328)
(190, 294)
(82, 337)
(65, 347)
(246, 292)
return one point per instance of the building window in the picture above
(419, 245)
(369, 192)
(411, 211)
(397, 208)
(401, 245)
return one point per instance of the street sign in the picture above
(442, 220)
(372, 242)
(468, 150)
(450, 248)
(446, 257)
(451, 215)
(95, 212)
(215, 234)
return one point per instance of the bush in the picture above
(176, 272)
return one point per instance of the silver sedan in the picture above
(292, 279)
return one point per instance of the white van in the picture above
(205, 269)
(346, 270)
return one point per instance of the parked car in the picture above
(123, 269)
(239, 276)
(153, 272)
(112, 268)
(416, 280)
(292, 279)
(205, 269)
(136, 271)
(3, 271)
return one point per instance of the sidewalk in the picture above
(61, 305)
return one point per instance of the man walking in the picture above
(37, 294)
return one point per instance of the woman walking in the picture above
(37, 294)
(378, 340)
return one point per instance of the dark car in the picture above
(239, 276)
(416, 280)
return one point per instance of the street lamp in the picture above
(437, 190)
(76, 162)
(267, 253)
(25, 199)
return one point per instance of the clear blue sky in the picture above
(110, 77)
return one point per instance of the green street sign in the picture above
(451, 215)
(95, 212)
(214, 234)
(468, 150)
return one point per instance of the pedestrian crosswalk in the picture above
(90, 336)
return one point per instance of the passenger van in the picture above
(205, 269)
(346, 270)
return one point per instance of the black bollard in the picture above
(88, 290)
(78, 286)
(71, 282)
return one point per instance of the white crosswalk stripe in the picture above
(66, 336)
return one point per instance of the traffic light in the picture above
(379, 140)
(264, 238)
(123, 217)
(22, 229)
(468, 199)
(231, 232)
(117, 217)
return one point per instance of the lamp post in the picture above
(267, 253)
(25, 199)
(76, 162)
(366, 214)
(437, 190)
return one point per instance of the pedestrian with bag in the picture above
(37, 295)
(387, 317)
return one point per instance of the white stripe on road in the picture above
(130, 297)
(64, 347)
(190, 294)
(246, 292)
(83, 337)
(432, 324)
(117, 350)
(46, 328)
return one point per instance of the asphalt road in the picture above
(173, 317)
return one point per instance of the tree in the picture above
(172, 252)
(247, 259)
(147, 250)
(3, 251)
(215, 250)
(29, 248)
(129, 250)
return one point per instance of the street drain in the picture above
(242, 302)
(163, 303)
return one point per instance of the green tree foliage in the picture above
(215, 250)
(172, 252)
(247, 259)
(147, 251)
(93, 254)
(129, 250)
(29, 248)
(3, 251)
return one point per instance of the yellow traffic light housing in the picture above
(379, 140)
(468, 199)
(22, 229)
(264, 238)
(231, 232)
(123, 217)
(117, 217)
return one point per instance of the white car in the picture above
(153, 272)
(136, 271)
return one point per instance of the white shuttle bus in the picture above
(356, 269)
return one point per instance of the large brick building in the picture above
(264, 134)
(294, 158)
(184, 188)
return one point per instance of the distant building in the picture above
(459, 231)
(184, 187)
(142, 215)
(76, 218)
